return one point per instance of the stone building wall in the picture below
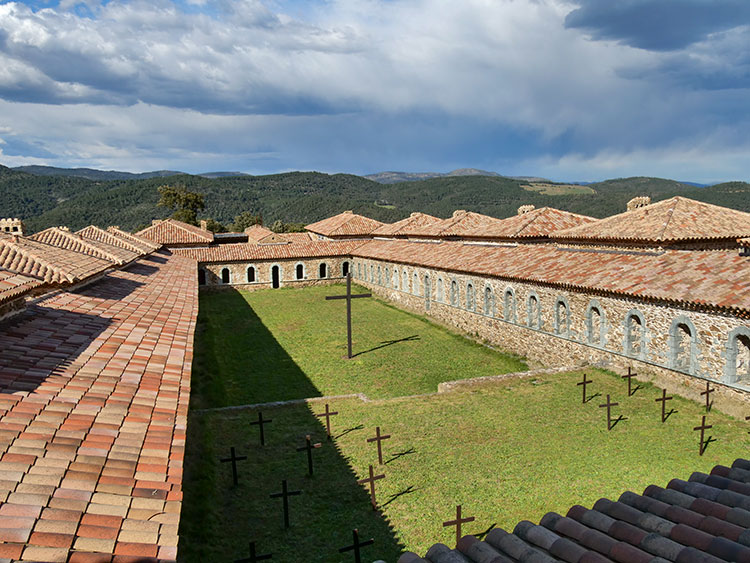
(263, 269)
(555, 327)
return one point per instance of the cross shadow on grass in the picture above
(387, 343)
(219, 519)
(242, 365)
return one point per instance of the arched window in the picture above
(323, 270)
(345, 269)
(470, 302)
(427, 291)
(737, 368)
(683, 345)
(415, 284)
(275, 276)
(489, 302)
(250, 274)
(454, 293)
(634, 343)
(387, 278)
(596, 327)
(533, 312)
(404, 280)
(562, 317)
(225, 276)
(372, 273)
(440, 296)
(395, 278)
(380, 276)
(509, 305)
(359, 270)
(201, 276)
(299, 271)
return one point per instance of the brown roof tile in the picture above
(744, 242)
(243, 252)
(47, 262)
(63, 238)
(345, 224)
(672, 220)
(459, 224)
(171, 231)
(146, 243)
(414, 221)
(539, 223)
(257, 232)
(293, 238)
(13, 285)
(93, 232)
(718, 278)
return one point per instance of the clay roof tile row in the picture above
(171, 231)
(142, 242)
(14, 285)
(539, 223)
(63, 238)
(414, 221)
(705, 519)
(345, 224)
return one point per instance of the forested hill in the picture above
(44, 201)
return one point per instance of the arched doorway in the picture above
(345, 269)
(275, 277)
(201, 276)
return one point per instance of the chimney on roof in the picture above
(115, 226)
(64, 228)
(525, 209)
(204, 225)
(459, 212)
(637, 202)
(414, 213)
(349, 211)
(14, 226)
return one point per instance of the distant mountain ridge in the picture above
(396, 177)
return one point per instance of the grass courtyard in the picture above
(506, 451)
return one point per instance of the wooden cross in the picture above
(630, 375)
(703, 427)
(253, 557)
(378, 438)
(260, 422)
(609, 406)
(234, 459)
(356, 546)
(457, 522)
(584, 383)
(328, 414)
(371, 480)
(748, 419)
(285, 494)
(663, 401)
(349, 298)
(309, 446)
(707, 393)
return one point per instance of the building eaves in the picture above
(14, 285)
(245, 252)
(63, 238)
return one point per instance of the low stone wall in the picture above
(260, 274)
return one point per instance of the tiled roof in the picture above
(46, 262)
(415, 220)
(94, 389)
(461, 223)
(171, 231)
(538, 223)
(257, 232)
(145, 243)
(293, 238)
(63, 238)
(672, 220)
(718, 278)
(246, 252)
(705, 519)
(345, 224)
(13, 285)
(95, 233)
(744, 242)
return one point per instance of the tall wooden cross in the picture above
(371, 481)
(609, 404)
(457, 522)
(379, 438)
(629, 376)
(309, 446)
(327, 415)
(584, 382)
(356, 546)
(349, 298)
(663, 402)
(707, 393)
(284, 495)
(703, 427)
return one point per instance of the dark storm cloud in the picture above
(658, 25)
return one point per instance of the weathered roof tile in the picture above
(172, 231)
(63, 238)
(346, 224)
(414, 221)
(14, 285)
(539, 223)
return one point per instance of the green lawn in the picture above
(273, 345)
(506, 451)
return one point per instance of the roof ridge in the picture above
(670, 214)
(29, 256)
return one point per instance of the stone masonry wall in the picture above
(679, 347)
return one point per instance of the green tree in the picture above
(185, 203)
(215, 227)
(246, 219)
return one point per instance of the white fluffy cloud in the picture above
(353, 85)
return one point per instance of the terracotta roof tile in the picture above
(146, 244)
(293, 238)
(718, 278)
(461, 223)
(47, 262)
(100, 235)
(539, 223)
(414, 221)
(63, 238)
(690, 521)
(257, 232)
(345, 224)
(98, 379)
(246, 252)
(672, 220)
(13, 285)
(171, 231)
(744, 242)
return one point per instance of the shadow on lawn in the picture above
(219, 519)
(387, 343)
(233, 368)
